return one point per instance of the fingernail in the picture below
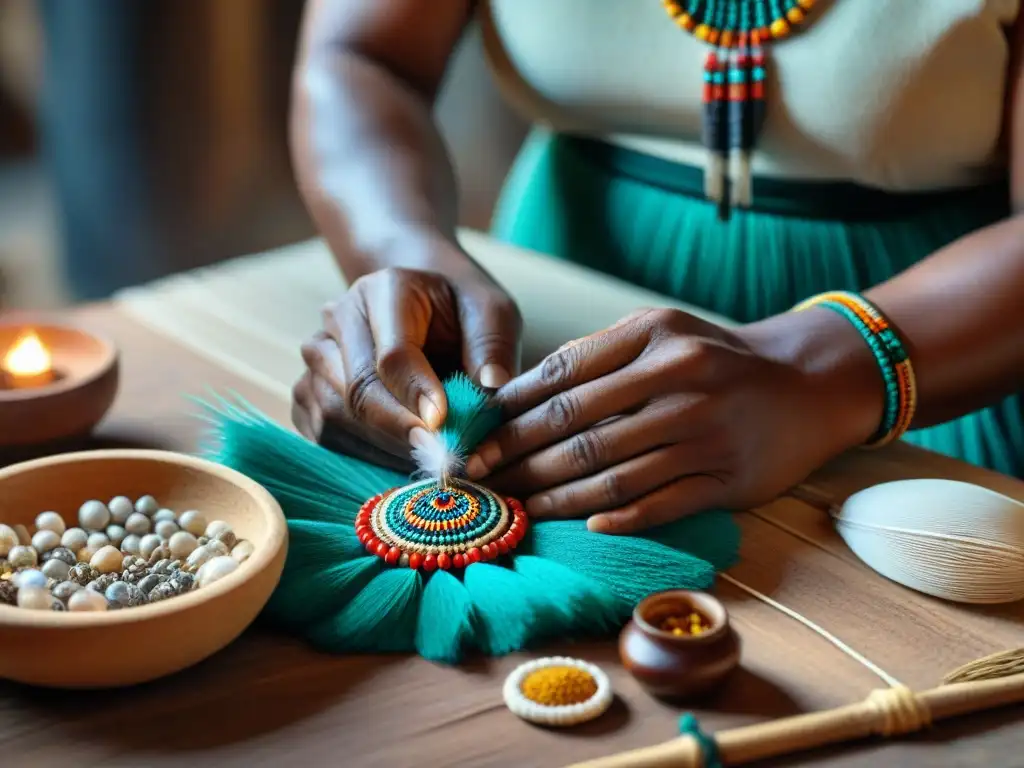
(475, 467)
(599, 524)
(418, 437)
(493, 376)
(539, 506)
(429, 412)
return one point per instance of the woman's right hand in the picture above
(374, 370)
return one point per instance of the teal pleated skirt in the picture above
(643, 219)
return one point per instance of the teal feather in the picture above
(471, 416)
(381, 618)
(510, 614)
(632, 567)
(585, 605)
(561, 582)
(325, 568)
(447, 619)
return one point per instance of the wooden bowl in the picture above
(679, 667)
(74, 403)
(134, 645)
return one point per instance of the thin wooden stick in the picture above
(740, 746)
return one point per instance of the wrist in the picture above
(839, 376)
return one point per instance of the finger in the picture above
(567, 417)
(491, 328)
(620, 484)
(683, 497)
(365, 399)
(589, 450)
(588, 359)
(306, 414)
(399, 321)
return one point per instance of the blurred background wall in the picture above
(138, 139)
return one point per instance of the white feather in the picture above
(437, 459)
(949, 539)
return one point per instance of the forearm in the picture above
(961, 314)
(371, 164)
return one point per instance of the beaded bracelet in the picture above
(890, 354)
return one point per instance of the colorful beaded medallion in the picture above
(734, 82)
(429, 525)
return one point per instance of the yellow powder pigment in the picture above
(692, 624)
(559, 686)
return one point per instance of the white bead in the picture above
(107, 560)
(130, 544)
(120, 508)
(116, 534)
(243, 550)
(50, 521)
(87, 600)
(94, 516)
(215, 570)
(215, 527)
(218, 548)
(85, 554)
(149, 543)
(29, 579)
(45, 540)
(74, 539)
(138, 524)
(56, 569)
(182, 544)
(24, 537)
(35, 598)
(193, 522)
(147, 506)
(164, 514)
(166, 528)
(97, 541)
(22, 557)
(8, 539)
(200, 555)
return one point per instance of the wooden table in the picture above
(268, 700)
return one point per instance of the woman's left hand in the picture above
(664, 414)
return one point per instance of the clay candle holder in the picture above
(56, 383)
(679, 666)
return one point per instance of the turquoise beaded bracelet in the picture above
(890, 354)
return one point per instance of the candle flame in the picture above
(27, 356)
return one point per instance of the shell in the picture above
(953, 540)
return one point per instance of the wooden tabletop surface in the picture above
(269, 700)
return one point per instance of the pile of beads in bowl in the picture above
(120, 555)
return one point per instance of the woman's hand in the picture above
(664, 415)
(374, 370)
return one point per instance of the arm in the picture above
(961, 311)
(371, 165)
(378, 182)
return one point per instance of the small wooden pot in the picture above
(68, 407)
(679, 666)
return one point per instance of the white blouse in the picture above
(896, 94)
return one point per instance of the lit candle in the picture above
(27, 364)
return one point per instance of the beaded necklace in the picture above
(734, 82)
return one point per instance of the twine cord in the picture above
(900, 711)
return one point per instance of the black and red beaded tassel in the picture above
(715, 133)
(734, 83)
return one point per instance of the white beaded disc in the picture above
(559, 716)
